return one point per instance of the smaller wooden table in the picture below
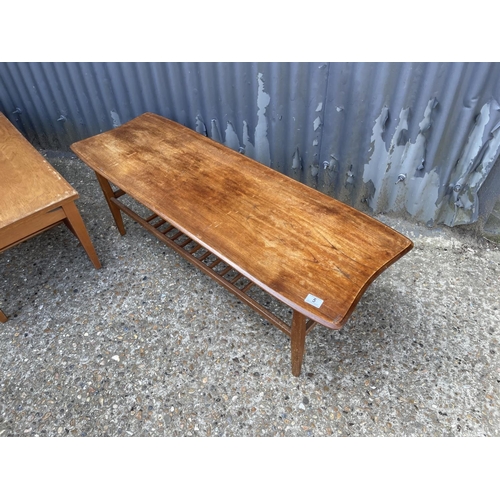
(33, 196)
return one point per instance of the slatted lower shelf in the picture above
(206, 261)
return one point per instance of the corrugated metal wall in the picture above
(418, 139)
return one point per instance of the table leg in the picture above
(76, 222)
(108, 194)
(3, 318)
(298, 335)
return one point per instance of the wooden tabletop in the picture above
(28, 183)
(290, 239)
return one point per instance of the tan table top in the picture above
(288, 238)
(28, 183)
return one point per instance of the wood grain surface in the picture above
(28, 183)
(290, 239)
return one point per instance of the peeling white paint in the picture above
(418, 202)
(317, 123)
(320, 107)
(249, 148)
(419, 190)
(214, 131)
(296, 161)
(232, 140)
(115, 117)
(418, 195)
(315, 142)
(490, 155)
(200, 125)
(262, 149)
(373, 170)
(474, 144)
(480, 153)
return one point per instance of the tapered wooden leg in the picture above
(69, 226)
(108, 194)
(78, 226)
(3, 318)
(298, 335)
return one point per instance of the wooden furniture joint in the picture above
(243, 223)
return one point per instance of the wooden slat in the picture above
(225, 271)
(214, 263)
(247, 287)
(195, 249)
(310, 324)
(168, 229)
(236, 278)
(204, 256)
(159, 223)
(184, 243)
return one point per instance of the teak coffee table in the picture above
(33, 196)
(243, 223)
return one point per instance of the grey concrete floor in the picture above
(150, 346)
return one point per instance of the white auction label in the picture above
(314, 301)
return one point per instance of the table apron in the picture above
(26, 228)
